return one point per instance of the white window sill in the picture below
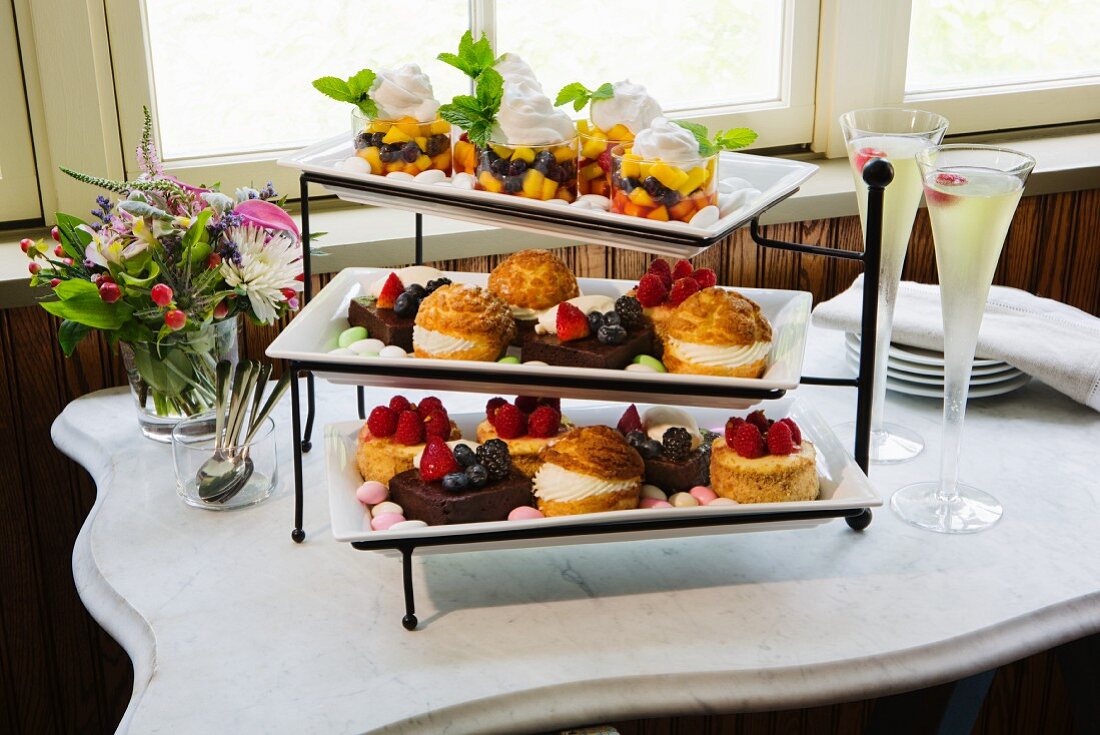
(366, 236)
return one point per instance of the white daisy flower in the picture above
(266, 267)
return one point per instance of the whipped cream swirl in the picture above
(548, 320)
(523, 313)
(404, 91)
(419, 274)
(668, 141)
(659, 419)
(557, 484)
(528, 117)
(514, 69)
(437, 343)
(727, 356)
(631, 106)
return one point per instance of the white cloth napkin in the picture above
(1047, 339)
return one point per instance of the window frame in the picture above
(19, 197)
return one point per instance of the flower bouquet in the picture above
(164, 272)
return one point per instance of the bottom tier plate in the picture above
(843, 487)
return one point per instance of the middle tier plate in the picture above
(313, 332)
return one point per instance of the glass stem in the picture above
(887, 297)
(958, 366)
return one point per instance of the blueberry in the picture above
(477, 475)
(612, 319)
(416, 291)
(628, 185)
(543, 160)
(389, 153)
(362, 141)
(611, 334)
(554, 172)
(410, 152)
(499, 168)
(652, 186)
(513, 184)
(650, 448)
(378, 140)
(595, 321)
(464, 455)
(455, 482)
(486, 159)
(405, 306)
(568, 170)
(635, 438)
(669, 197)
(517, 167)
(437, 144)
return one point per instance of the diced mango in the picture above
(423, 162)
(396, 135)
(564, 193)
(422, 142)
(439, 127)
(591, 171)
(595, 132)
(532, 183)
(695, 178)
(660, 213)
(630, 167)
(378, 126)
(593, 148)
(523, 154)
(395, 166)
(442, 161)
(682, 210)
(487, 182)
(413, 169)
(583, 185)
(644, 170)
(564, 153)
(549, 189)
(640, 197)
(633, 210)
(582, 126)
(620, 132)
(671, 176)
(502, 151)
(470, 159)
(598, 186)
(370, 155)
(410, 129)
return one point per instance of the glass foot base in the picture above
(892, 445)
(974, 510)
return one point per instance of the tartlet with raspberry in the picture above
(394, 434)
(526, 426)
(763, 461)
(664, 287)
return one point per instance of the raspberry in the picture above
(527, 404)
(630, 421)
(554, 403)
(652, 291)
(705, 277)
(796, 433)
(491, 408)
(604, 159)
(400, 403)
(429, 404)
(731, 429)
(945, 178)
(543, 421)
(391, 289)
(759, 420)
(410, 429)
(683, 269)
(748, 442)
(572, 324)
(681, 289)
(630, 312)
(865, 155)
(511, 423)
(780, 440)
(437, 460)
(438, 423)
(382, 421)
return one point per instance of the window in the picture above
(18, 180)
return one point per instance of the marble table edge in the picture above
(112, 611)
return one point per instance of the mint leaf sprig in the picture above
(725, 140)
(355, 89)
(581, 95)
(472, 58)
(477, 113)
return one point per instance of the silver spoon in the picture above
(217, 473)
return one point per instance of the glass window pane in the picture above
(688, 55)
(234, 77)
(964, 44)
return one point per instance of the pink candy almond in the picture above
(703, 494)
(383, 521)
(371, 492)
(524, 513)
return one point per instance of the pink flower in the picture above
(269, 216)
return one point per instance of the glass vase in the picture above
(174, 380)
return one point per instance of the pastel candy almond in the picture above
(654, 492)
(703, 494)
(524, 513)
(684, 500)
(386, 521)
(386, 507)
(371, 492)
(402, 525)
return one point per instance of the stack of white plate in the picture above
(919, 372)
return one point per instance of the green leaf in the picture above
(73, 241)
(604, 92)
(702, 136)
(735, 138)
(368, 107)
(360, 82)
(75, 287)
(482, 55)
(146, 281)
(466, 44)
(472, 58)
(335, 88)
(90, 310)
(572, 93)
(70, 334)
(458, 114)
(456, 61)
(489, 91)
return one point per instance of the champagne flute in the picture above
(896, 135)
(972, 193)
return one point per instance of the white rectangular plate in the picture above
(775, 178)
(843, 487)
(314, 331)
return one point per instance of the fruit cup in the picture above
(661, 190)
(465, 155)
(594, 164)
(535, 171)
(406, 144)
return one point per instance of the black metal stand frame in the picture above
(877, 174)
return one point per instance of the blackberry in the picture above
(477, 475)
(494, 456)
(437, 144)
(406, 306)
(677, 443)
(435, 283)
(630, 311)
(595, 321)
(635, 438)
(464, 455)
(650, 449)
(455, 482)
(362, 141)
(611, 334)
(410, 152)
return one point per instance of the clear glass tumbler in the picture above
(193, 445)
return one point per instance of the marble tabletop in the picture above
(233, 628)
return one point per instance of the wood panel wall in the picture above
(60, 673)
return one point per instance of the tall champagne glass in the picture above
(972, 193)
(896, 135)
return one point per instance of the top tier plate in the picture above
(776, 178)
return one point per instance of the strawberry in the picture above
(429, 404)
(630, 421)
(796, 433)
(780, 439)
(661, 269)
(382, 421)
(731, 429)
(865, 155)
(437, 460)
(759, 420)
(543, 421)
(391, 289)
(748, 442)
(527, 404)
(572, 323)
(437, 423)
(705, 277)
(511, 423)
(410, 429)
(681, 289)
(683, 269)
(604, 159)
(491, 409)
(652, 291)
(400, 403)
